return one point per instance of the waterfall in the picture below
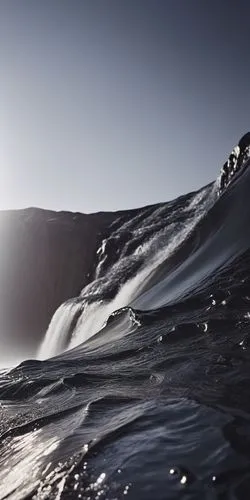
(79, 319)
(60, 328)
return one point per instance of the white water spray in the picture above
(91, 317)
(95, 315)
(57, 335)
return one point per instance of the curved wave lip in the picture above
(143, 387)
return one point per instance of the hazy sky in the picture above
(110, 104)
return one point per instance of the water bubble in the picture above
(182, 475)
(125, 492)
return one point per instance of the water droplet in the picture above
(204, 327)
(101, 478)
(244, 343)
(182, 475)
(125, 492)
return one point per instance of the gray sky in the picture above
(111, 104)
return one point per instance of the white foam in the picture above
(56, 337)
(94, 315)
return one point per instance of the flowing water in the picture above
(140, 388)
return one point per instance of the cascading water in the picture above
(138, 246)
(60, 328)
(93, 309)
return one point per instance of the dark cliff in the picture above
(46, 258)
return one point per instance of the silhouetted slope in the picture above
(45, 259)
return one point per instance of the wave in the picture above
(140, 386)
(159, 255)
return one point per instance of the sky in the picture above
(115, 104)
